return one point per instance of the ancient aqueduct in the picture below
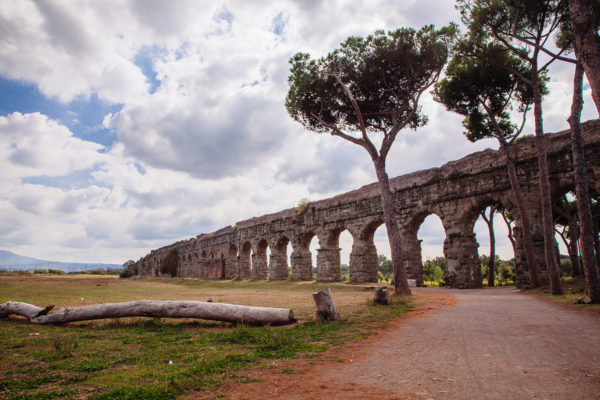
(456, 192)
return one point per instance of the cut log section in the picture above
(381, 296)
(325, 306)
(150, 308)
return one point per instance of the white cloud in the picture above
(33, 145)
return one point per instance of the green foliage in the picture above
(385, 269)
(302, 206)
(40, 271)
(56, 271)
(385, 72)
(97, 271)
(504, 271)
(482, 84)
(129, 271)
(433, 270)
(170, 263)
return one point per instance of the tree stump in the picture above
(325, 306)
(381, 296)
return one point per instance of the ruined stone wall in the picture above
(456, 192)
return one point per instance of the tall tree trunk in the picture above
(548, 221)
(492, 258)
(574, 249)
(590, 265)
(525, 224)
(587, 43)
(400, 276)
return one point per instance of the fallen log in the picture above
(325, 305)
(151, 308)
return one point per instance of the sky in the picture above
(128, 125)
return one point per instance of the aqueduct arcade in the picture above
(456, 192)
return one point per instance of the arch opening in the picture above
(427, 250)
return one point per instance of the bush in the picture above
(56, 271)
(40, 271)
(129, 270)
(97, 271)
(302, 206)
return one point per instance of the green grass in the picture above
(145, 358)
(573, 288)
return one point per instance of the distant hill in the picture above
(11, 261)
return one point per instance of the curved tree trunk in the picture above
(547, 219)
(525, 224)
(510, 233)
(587, 43)
(590, 265)
(400, 276)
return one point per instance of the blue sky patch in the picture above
(82, 116)
(143, 60)
(279, 23)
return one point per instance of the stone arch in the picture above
(231, 269)
(301, 257)
(506, 200)
(204, 264)
(329, 268)
(220, 264)
(260, 268)
(278, 265)
(245, 261)
(363, 258)
(411, 244)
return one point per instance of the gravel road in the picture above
(493, 344)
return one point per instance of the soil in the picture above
(473, 344)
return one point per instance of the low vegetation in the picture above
(143, 358)
(574, 288)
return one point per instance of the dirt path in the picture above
(474, 344)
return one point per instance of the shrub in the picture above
(302, 206)
(98, 271)
(56, 271)
(40, 271)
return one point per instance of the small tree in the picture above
(482, 84)
(367, 91)
(524, 28)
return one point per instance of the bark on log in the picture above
(150, 308)
(325, 306)
(381, 296)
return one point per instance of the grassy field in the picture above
(143, 358)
